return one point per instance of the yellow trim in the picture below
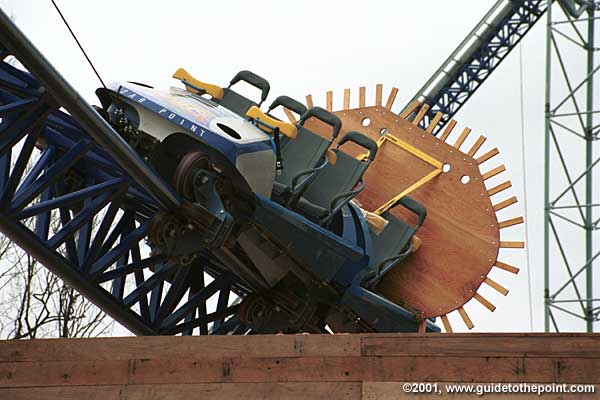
(414, 186)
(287, 129)
(331, 157)
(215, 91)
(413, 150)
(417, 153)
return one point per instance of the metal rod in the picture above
(547, 171)
(589, 245)
(90, 120)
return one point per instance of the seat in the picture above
(335, 184)
(306, 155)
(227, 97)
(238, 103)
(395, 243)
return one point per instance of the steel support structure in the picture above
(476, 58)
(571, 223)
(75, 196)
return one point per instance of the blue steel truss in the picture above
(477, 57)
(54, 169)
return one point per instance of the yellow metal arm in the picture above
(287, 129)
(215, 91)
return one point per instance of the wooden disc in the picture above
(460, 237)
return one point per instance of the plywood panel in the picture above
(460, 236)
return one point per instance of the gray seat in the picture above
(304, 156)
(238, 103)
(336, 184)
(394, 244)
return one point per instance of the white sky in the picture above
(313, 46)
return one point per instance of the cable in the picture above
(79, 44)
(524, 165)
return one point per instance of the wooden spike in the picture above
(290, 115)
(448, 130)
(484, 302)
(329, 97)
(423, 326)
(506, 267)
(461, 139)
(420, 114)
(494, 172)
(465, 317)
(446, 323)
(409, 110)
(505, 203)
(512, 245)
(361, 96)
(391, 98)
(496, 286)
(493, 152)
(477, 145)
(309, 101)
(501, 187)
(510, 222)
(378, 94)
(346, 99)
(435, 121)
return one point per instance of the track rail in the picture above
(75, 196)
(477, 57)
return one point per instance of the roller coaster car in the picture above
(299, 240)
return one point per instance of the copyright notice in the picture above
(482, 389)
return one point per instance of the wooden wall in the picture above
(290, 366)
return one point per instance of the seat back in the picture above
(308, 149)
(392, 241)
(240, 104)
(341, 177)
(394, 244)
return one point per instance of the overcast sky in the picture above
(313, 46)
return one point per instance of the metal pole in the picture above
(547, 172)
(589, 176)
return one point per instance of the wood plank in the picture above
(512, 245)
(447, 325)
(378, 94)
(291, 117)
(410, 109)
(506, 267)
(477, 145)
(488, 155)
(505, 203)
(67, 373)
(499, 188)
(166, 347)
(391, 98)
(309, 101)
(448, 130)
(435, 121)
(465, 318)
(463, 136)
(421, 114)
(310, 370)
(107, 392)
(362, 97)
(496, 286)
(329, 100)
(485, 302)
(510, 222)
(346, 99)
(494, 172)
(574, 345)
(247, 391)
